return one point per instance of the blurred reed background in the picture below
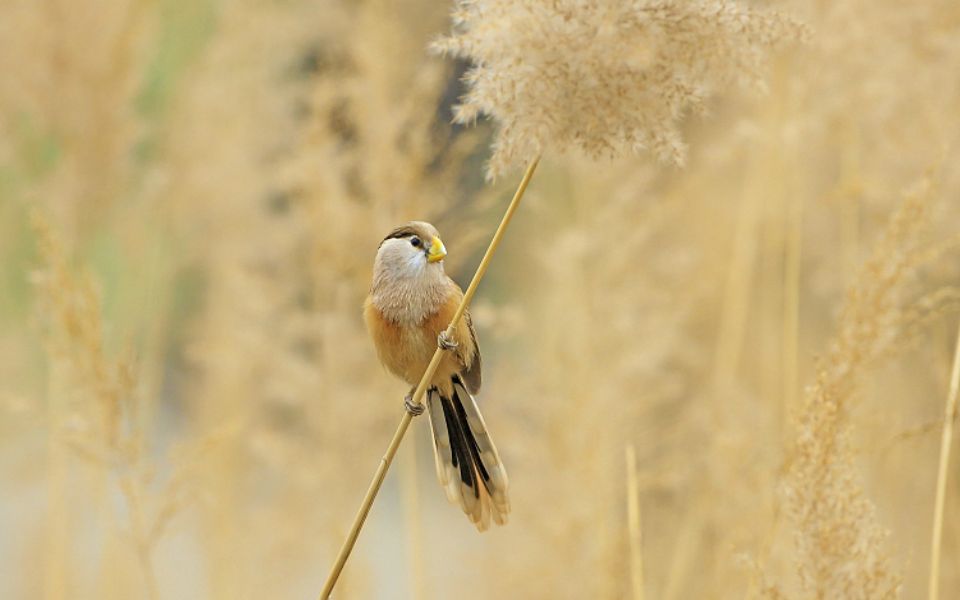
(191, 196)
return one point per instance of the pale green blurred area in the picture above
(36, 151)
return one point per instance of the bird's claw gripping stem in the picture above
(445, 343)
(414, 408)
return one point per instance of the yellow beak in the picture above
(437, 250)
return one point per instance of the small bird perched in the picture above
(410, 305)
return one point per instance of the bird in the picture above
(410, 304)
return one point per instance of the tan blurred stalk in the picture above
(739, 281)
(58, 517)
(633, 524)
(790, 335)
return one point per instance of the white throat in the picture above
(407, 290)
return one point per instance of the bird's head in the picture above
(411, 251)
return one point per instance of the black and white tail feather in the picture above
(468, 465)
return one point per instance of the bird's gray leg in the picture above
(414, 408)
(445, 342)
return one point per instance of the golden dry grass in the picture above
(191, 194)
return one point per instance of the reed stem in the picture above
(381, 472)
(945, 440)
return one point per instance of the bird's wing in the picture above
(472, 374)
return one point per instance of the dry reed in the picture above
(841, 545)
(949, 416)
(216, 177)
(555, 74)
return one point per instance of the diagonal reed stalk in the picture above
(948, 417)
(422, 388)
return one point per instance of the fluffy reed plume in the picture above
(840, 542)
(583, 381)
(257, 349)
(280, 349)
(604, 76)
(95, 412)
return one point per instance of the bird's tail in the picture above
(468, 465)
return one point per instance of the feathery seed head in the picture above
(604, 76)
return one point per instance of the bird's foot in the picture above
(445, 343)
(414, 408)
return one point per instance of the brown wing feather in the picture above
(472, 375)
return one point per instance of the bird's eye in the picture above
(415, 242)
